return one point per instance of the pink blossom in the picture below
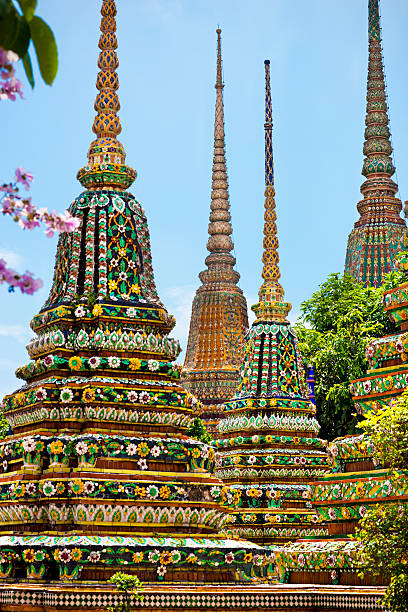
(24, 177)
(28, 217)
(26, 282)
(9, 84)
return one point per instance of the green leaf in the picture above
(45, 48)
(28, 69)
(14, 29)
(28, 7)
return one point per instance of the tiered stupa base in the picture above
(206, 598)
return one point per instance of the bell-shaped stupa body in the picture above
(99, 472)
(378, 235)
(219, 316)
(268, 445)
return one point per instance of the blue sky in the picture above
(167, 55)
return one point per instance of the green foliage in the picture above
(4, 426)
(130, 586)
(336, 325)
(45, 48)
(198, 430)
(388, 429)
(396, 597)
(18, 30)
(383, 531)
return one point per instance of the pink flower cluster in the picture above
(10, 86)
(26, 282)
(28, 216)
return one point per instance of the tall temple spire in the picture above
(267, 439)
(106, 156)
(378, 234)
(271, 295)
(219, 228)
(219, 312)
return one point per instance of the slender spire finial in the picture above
(271, 304)
(106, 156)
(219, 243)
(377, 145)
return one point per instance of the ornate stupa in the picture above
(98, 473)
(357, 481)
(268, 444)
(219, 317)
(378, 234)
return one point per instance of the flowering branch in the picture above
(29, 217)
(9, 84)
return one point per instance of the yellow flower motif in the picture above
(272, 518)
(359, 489)
(195, 453)
(75, 363)
(61, 311)
(269, 439)
(56, 554)
(112, 285)
(56, 447)
(137, 557)
(389, 383)
(19, 398)
(191, 558)
(88, 395)
(60, 487)
(165, 492)
(143, 449)
(248, 557)
(134, 363)
(97, 310)
(78, 486)
(236, 459)
(122, 251)
(76, 554)
(345, 513)
(92, 448)
(136, 289)
(252, 492)
(22, 490)
(165, 557)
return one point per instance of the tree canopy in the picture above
(335, 326)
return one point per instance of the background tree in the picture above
(336, 325)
